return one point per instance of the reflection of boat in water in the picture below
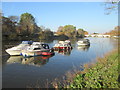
(83, 48)
(15, 59)
(64, 52)
(36, 61)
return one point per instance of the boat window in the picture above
(45, 46)
(37, 44)
(37, 48)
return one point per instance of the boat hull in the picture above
(14, 52)
(47, 53)
(83, 44)
(37, 53)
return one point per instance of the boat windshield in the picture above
(45, 46)
(27, 42)
(36, 48)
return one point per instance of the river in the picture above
(19, 72)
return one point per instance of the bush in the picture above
(103, 75)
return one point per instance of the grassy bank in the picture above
(102, 74)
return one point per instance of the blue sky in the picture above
(87, 15)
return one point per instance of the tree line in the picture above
(114, 32)
(71, 31)
(26, 28)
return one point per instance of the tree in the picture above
(69, 30)
(46, 34)
(27, 23)
(85, 33)
(8, 28)
(115, 32)
(110, 6)
(81, 32)
(60, 29)
(14, 19)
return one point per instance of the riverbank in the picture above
(102, 74)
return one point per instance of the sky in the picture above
(89, 16)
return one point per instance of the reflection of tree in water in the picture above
(83, 48)
(64, 51)
(49, 40)
(37, 61)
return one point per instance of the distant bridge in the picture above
(97, 35)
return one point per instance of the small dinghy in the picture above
(63, 45)
(17, 49)
(83, 42)
(37, 49)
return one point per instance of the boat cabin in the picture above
(38, 46)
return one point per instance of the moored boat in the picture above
(16, 50)
(63, 45)
(36, 49)
(83, 42)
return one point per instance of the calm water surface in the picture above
(19, 72)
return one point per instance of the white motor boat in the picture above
(84, 42)
(17, 49)
(63, 45)
(36, 49)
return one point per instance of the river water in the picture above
(19, 72)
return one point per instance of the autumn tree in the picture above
(115, 32)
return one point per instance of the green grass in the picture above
(104, 74)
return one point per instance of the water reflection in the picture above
(14, 59)
(64, 51)
(83, 48)
(36, 61)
